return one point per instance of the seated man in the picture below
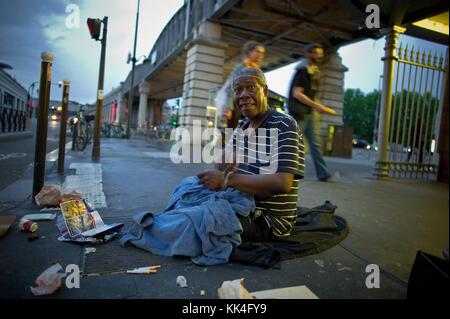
(275, 192)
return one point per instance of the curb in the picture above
(16, 135)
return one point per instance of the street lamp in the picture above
(133, 59)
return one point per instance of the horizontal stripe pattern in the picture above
(273, 154)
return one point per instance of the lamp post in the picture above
(133, 59)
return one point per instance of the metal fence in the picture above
(12, 120)
(414, 119)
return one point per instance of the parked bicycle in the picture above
(113, 130)
(81, 129)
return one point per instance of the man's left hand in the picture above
(212, 179)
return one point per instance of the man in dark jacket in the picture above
(304, 107)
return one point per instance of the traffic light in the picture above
(94, 28)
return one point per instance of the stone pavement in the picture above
(389, 222)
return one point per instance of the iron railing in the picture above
(12, 120)
(414, 124)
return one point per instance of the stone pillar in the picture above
(144, 90)
(155, 114)
(121, 106)
(204, 70)
(331, 93)
(381, 167)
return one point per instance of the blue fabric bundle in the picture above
(198, 223)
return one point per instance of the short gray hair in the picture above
(253, 72)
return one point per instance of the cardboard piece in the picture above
(39, 217)
(296, 292)
(5, 223)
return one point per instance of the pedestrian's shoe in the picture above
(326, 178)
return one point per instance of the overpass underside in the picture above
(202, 43)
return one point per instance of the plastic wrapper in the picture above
(49, 281)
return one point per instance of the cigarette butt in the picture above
(155, 267)
(151, 271)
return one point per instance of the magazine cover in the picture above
(77, 217)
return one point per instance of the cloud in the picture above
(76, 55)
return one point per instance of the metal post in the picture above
(75, 136)
(42, 123)
(131, 92)
(63, 128)
(98, 111)
(381, 167)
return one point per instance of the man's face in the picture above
(257, 55)
(316, 55)
(249, 96)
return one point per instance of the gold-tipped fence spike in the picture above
(418, 56)
(424, 57)
(441, 61)
(435, 59)
(429, 59)
(405, 56)
(411, 56)
(399, 51)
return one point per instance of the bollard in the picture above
(63, 128)
(42, 123)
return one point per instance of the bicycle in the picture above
(82, 130)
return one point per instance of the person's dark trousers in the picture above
(309, 127)
(254, 229)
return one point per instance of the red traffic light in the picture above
(94, 28)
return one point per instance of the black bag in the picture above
(428, 278)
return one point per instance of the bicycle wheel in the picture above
(82, 137)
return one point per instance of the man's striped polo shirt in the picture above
(277, 148)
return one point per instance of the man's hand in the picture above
(328, 110)
(212, 179)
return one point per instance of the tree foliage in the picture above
(359, 112)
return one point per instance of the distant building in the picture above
(14, 115)
(12, 94)
(55, 107)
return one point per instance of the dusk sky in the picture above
(29, 27)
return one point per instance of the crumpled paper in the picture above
(49, 196)
(49, 281)
(234, 290)
(70, 194)
(181, 281)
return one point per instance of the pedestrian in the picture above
(228, 116)
(305, 108)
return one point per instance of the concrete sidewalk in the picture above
(389, 222)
